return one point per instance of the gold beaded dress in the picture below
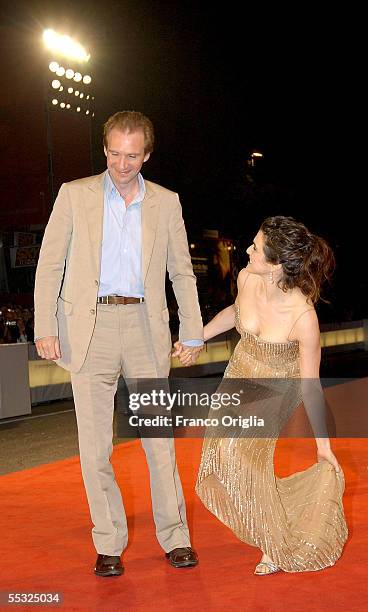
(298, 521)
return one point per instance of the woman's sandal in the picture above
(271, 568)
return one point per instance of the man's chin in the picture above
(122, 180)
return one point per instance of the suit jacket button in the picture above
(96, 283)
(92, 311)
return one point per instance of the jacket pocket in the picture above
(64, 307)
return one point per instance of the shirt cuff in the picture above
(193, 342)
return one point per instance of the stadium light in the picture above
(64, 45)
(64, 56)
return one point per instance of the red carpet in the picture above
(46, 544)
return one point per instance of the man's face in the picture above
(125, 156)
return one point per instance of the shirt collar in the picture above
(110, 187)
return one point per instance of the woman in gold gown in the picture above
(297, 522)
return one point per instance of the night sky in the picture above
(217, 85)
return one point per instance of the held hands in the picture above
(48, 347)
(187, 354)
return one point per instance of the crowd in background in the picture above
(16, 324)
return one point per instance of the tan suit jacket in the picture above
(68, 270)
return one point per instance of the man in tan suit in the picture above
(100, 311)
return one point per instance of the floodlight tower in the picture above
(68, 86)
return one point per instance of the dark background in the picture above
(219, 80)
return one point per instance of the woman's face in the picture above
(257, 260)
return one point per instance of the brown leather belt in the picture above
(119, 299)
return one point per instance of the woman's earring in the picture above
(270, 277)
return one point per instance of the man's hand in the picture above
(187, 354)
(48, 347)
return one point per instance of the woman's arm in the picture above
(225, 319)
(307, 332)
(222, 322)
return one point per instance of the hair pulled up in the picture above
(307, 260)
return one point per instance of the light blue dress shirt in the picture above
(121, 267)
(121, 258)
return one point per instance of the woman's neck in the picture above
(271, 292)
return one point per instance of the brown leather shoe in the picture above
(108, 566)
(182, 557)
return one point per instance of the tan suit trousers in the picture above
(121, 344)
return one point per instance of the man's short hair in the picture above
(131, 121)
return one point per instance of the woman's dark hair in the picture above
(307, 260)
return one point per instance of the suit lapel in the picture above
(150, 210)
(94, 206)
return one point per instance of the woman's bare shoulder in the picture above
(244, 277)
(303, 317)
(306, 326)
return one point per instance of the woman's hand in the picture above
(327, 455)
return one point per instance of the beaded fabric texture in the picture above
(298, 521)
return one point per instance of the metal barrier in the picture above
(15, 396)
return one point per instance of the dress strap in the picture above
(297, 319)
(245, 280)
(241, 289)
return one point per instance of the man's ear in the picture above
(105, 151)
(146, 157)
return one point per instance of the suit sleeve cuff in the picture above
(193, 342)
